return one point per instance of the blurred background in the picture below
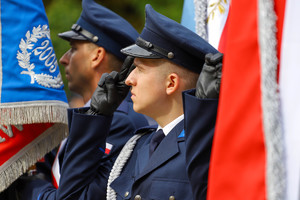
(63, 13)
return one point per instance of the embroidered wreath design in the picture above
(219, 5)
(23, 57)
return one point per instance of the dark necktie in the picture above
(155, 140)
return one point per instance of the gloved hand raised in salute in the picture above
(208, 84)
(111, 90)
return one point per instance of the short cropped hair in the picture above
(187, 76)
(114, 62)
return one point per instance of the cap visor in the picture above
(136, 51)
(68, 35)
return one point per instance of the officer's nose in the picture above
(64, 60)
(130, 80)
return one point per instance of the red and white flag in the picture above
(256, 142)
(217, 14)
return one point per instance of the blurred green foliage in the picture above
(63, 13)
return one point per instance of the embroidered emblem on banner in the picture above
(219, 5)
(46, 54)
(8, 131)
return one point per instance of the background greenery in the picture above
(63, 13)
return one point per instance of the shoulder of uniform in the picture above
(146, 129)
(123, 107)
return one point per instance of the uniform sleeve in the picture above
(44, 167)
(199, 119)
(85, 169)
(84, 149)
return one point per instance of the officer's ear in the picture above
(98, 56)
(172, 83)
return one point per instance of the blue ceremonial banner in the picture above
(29, 65)
(33, 104)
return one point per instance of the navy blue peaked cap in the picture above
(102, 27)
(165, 38)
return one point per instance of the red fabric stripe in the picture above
(222, 42)
(20, 139)
(238, 155)
(54, 180)
(107, 151)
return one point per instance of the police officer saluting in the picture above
(168, 60)
(81, 169)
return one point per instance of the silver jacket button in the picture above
(126, 194)
(171, 198)
(137, 197)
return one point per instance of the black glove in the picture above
(208, 84)
(111, 90)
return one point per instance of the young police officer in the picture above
(168, 60)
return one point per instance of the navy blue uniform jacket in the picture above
(160, 177)
(200, 118)
(85, 168)
(168, 174)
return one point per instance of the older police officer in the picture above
(96, 40)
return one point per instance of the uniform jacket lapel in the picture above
(142, 158)
(167, 149)
(124, 182)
